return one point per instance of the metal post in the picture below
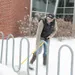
(1, 46)
(6, 56)
(47, 47)
(20, 51)
(58, 68)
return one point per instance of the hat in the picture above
(50, 16)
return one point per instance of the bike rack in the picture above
(58, 68)
(28, 49)
(1, 46)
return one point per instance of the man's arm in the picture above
(38, 34)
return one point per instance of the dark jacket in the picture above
(47, 28)
(39, 31)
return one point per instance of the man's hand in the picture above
(48, 37)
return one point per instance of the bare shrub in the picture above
(64, 28)
(28, 27)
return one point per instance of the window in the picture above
(46, 6)
(59, 16)
(42, 7)
(39, 5)
(60, 10)
(69, 3)
(69, 10)
(61, 3)
(51, 6)
(65, 7)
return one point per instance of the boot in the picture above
(44, 60)
(33, 58)
(32, 61)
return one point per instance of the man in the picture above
(47, 28)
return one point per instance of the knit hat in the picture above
(50, 16)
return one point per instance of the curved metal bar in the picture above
(6, 56)
(20, 56)
(1, 46)
(58, 68)
(47, 47)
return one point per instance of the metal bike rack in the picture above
(6, 56)
(58, 68)
(47, 47)
(1, 46)
(28, 48)
(20, 51)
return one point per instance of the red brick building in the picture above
(10, 12)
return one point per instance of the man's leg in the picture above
(45, 53)
(34, 58)
(34, 55)
(32, 61)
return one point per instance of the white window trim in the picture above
(46, 7)
(74, 14)
(56, 6)
(31, 8)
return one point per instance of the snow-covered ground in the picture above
(4, 70)
(53, 56)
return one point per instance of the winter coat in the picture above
(39, 31)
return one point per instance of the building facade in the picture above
(61, 8)
(13, 10)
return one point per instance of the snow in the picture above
(4, 70)
(54, 46)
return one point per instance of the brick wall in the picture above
(10, 12)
